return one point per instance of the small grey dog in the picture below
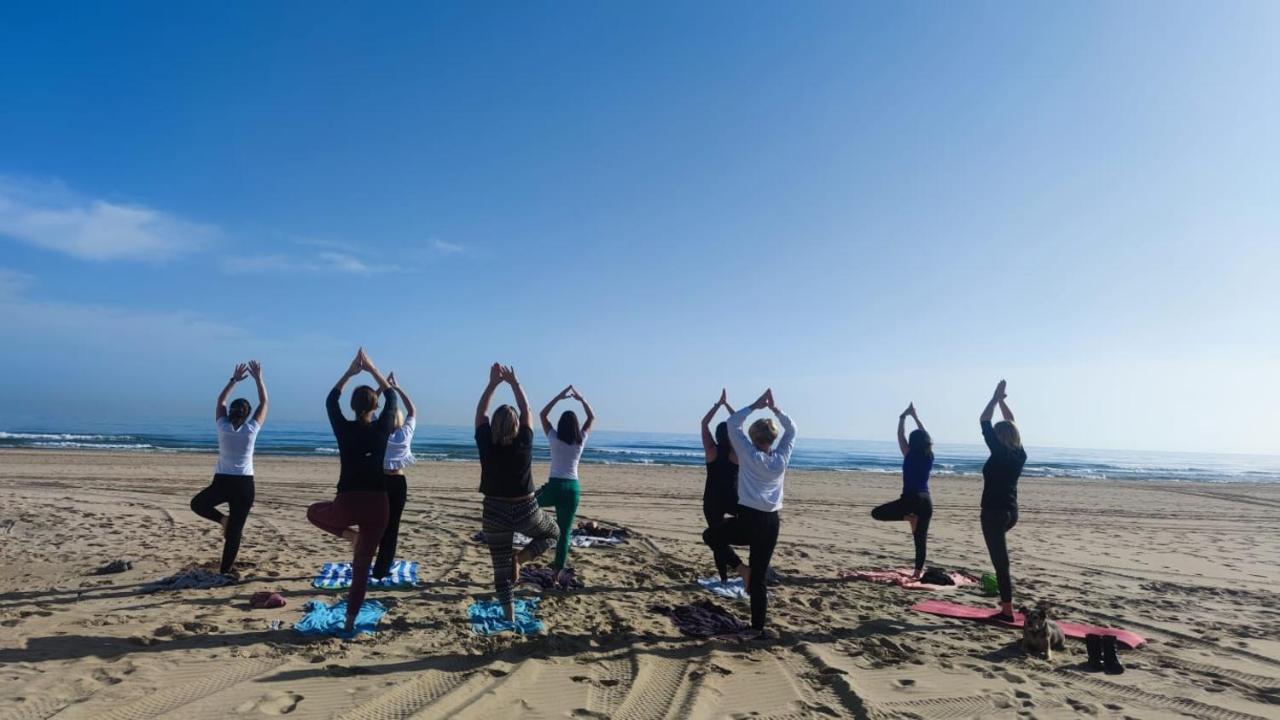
(1040, 635)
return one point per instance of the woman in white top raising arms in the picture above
(399, 456)
(562, 492)
(233, 476)
(762, 470)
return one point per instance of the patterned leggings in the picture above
(503, 518)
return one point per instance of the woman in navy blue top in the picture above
(915, 506)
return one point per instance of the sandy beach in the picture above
(1192, 567)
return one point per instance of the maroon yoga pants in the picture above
(367, 512)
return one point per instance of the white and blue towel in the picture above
(336, 576)
(733, 589)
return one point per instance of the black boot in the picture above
(1109, 659)
(1094, 643)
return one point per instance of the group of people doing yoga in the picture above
(742, 499)
(732, 491)
(999, 506)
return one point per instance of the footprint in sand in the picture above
(275, 702)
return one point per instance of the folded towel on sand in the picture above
(336, 576)
(545, 578)
(517, 539)
(324, 619)
(732, 588)
(191, 577)
(586, 541)
(902, 578)
(701, 619)
(489, 617)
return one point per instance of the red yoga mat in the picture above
(1070, 629)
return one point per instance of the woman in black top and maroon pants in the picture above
(359, 511)
(1000, 491)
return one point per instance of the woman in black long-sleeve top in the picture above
(1000, 491)
(359, 511)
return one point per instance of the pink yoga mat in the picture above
(1070, 629)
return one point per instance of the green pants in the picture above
(562, 494)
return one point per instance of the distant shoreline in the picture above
(292, 458)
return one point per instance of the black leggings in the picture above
(995, 523)
(237, 492)
(726, 558)
(918, 504)
(397, 494)
(758, 530)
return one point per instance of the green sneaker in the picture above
(990, 586)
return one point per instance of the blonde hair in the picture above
(399, 418)
(504, 425)
(763, 431)
(1008, 435)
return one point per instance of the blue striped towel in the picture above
(336, 576)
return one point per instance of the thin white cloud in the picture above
(48, 215)
(324, 262)
(447, 248)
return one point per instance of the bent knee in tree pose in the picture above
(915, 505)
(562, 490)
(359, 511)
(762, 468)
(1000, 490)
(238, 426)
(505, 445)
(720, 493)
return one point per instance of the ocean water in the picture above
(456, 444)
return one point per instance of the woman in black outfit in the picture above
(916, 504)
(720, 496)
(1000, 491)
(359, 512)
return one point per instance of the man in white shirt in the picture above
(762, 469)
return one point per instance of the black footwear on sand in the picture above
(1094, 643)
(1109, 658)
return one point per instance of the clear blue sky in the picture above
(859, 204)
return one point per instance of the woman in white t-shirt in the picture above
(233, 476)
(561, 491)
(399, 456)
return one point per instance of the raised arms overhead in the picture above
(545, 415)
(482, 408)
(255, 369)
(708, 439)
(220, 410)
(586, 407)
(997, 398)
(522, 400)
(409, 410)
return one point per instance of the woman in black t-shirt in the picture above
(1000, 491)
(358, 513)
(720, 495)
(506, 481)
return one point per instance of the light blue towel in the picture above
(489, 617)
(336, 576)
(733, 589)
(324, 619)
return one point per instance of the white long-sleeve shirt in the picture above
(761, 474)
